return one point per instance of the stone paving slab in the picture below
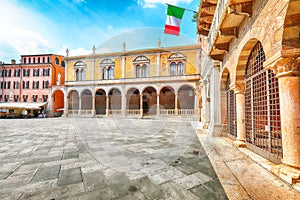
(69, 176)
(46, 173)
(96, 158)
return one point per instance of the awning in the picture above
(22, 105)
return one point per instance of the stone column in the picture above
(123, 104)
(196, 104)
(157, 103)
(66, 104)
(94, 106)
(141, 105)
(288, 74)
(176, 103)
(79, 102)
(205, 105)
(240, 117)
(107, 105)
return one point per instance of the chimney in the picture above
(13, 61)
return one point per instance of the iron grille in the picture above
(230, 109)
(262, 111)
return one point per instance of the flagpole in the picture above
(182, 8)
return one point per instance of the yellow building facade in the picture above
(139, 83)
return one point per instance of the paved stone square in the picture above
(96, 158)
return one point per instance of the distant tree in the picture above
(195, 17)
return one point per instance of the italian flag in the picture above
(174, 16)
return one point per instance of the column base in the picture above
(239, 143)
(218, 130)
(288, 174)
(203, 125)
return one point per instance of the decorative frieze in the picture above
(286, 67)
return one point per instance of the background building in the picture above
(157, 82)
(251, 54)
(31, 80)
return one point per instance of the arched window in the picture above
(107, 69)
(180, 68)
(144, 70)
(138, 71)
(83, 72)
(104, 73)
(77, 75)
(63, 64)
(111, 73)
(141, 64)
(173, 68)
(80, 71)
(56, 61)
(177, 64)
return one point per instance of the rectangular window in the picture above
(36, 72)
(6, 97)
(45, 84)
(16, 85)
(25, 97)
(16, 98)
(45, 98)
(8, 85)
(1, 85)
(35, 84)
(46, 72)
(1, 73)
(34, 98)
(26, 72)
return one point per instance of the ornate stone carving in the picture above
(107, 62)
(238, 87)
(286, 67)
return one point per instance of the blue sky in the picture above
(51, 26)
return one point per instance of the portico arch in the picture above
(133, 99)
(58, 102)
(86, 100)
(73, 100)
(149, 101)
(100, 102)
(167, 98)
(186, 97)
(115, 99)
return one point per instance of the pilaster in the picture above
(240, 115)
(123, 66)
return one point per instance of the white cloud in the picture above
(26, 41)
(23, 33)
(153, 3)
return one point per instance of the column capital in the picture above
(286, 67)
(238, 87)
